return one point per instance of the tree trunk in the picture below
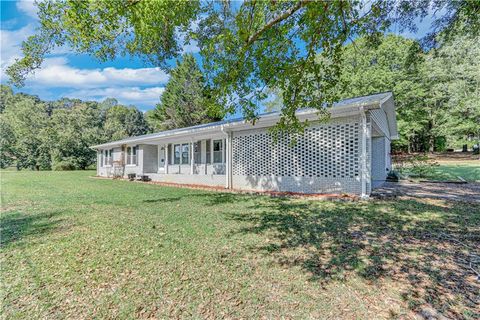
(431, 142)
(431, 138)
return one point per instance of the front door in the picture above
(161, 159)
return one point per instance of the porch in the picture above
(198, 161)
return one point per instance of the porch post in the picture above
(192, 158)
(158, 157)
(166, 158)
(364, 174)
(230, 160)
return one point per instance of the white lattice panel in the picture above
(324, 151)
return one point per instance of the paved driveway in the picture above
(469, 192)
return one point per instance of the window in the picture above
(197, 147)
(181, 153)
(132, 155)
(185, 153)
(217, 151)
(107, 157)
(207, 152)
(176, 154)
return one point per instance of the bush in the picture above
(64, 165)
(414, 165)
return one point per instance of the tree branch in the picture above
(276, 20)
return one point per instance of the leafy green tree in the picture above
(71, 133)
(396, 64)
(245, 47)
(453, 71)
(6, 97)
(184, 102)
(121, 122)
(28, 123)
(7, 143)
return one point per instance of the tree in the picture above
(7, 143)
(27, 122)
(396, 64)
(245, 47)
(6, 97)
(453, 70)
(121, 122)
(71, 133)
(184, 102)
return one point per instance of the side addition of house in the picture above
(348, 154)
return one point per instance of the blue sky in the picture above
(65, 74)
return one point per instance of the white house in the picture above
(348, 154)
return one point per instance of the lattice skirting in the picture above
(326, 158)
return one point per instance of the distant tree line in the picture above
(43, 135)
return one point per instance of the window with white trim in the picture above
(217, 151)
(107, 157)
(132, 155)
(181, 153)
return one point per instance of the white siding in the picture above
(380, 118)
(379, 164)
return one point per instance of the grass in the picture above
(77, 247)
(448, 171)
(468, 170)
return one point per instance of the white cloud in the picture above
(55, 72)
(146, 97)
(11, 42)
(29, 7)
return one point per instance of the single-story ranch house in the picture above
(348, 154)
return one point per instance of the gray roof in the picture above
(350, 102)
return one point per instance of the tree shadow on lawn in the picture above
(210, 199)
(425, 248)
(15, 226)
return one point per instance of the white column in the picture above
(158, 157)
(228, 160)
(363, 174)
(166, 158)
(192, 157)
(211, 151)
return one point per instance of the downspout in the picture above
(363, 176)
(228, 158)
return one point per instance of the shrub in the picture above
(414, 165)
(64, 165)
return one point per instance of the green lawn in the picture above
(469, 171)
(448, 171)
(78, 247)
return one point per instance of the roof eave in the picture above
(263, 121)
